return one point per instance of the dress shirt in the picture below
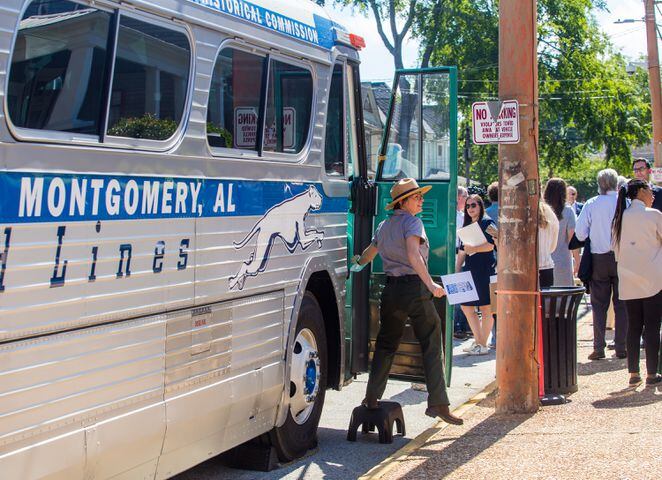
(493, 212)
(459, 222)
(577, 207)
(639, 254)
(594, 222)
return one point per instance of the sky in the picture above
(376, 63)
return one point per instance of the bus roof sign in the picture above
(309, 24)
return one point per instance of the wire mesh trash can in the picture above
(559, 336)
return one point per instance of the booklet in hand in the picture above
(472, 235)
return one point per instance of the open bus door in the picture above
(359, 227)
(420, 141)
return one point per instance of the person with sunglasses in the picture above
(403, 245)
(481, 262)
(572, 200)
(641, 168)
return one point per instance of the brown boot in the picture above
(443, 412)
(370, 403)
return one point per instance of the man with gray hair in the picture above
(594, 223)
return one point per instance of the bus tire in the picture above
(308, 375)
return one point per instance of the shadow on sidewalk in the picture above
(601, 366)
(630, 397)
(410, 397)
(462, 449)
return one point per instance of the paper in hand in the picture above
(355, 266)
(472, 235)
(460, 288)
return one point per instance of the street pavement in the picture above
(337, 458)
(609, 430)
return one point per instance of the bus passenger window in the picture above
(150, 81)
(234, 100)
(289, 102)
(57, 70)
(335, 126)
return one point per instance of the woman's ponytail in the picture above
(628, 191)
(617, 223)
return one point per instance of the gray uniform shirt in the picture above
(391, 242)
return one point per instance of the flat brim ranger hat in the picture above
(404, 188)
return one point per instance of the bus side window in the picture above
(150, 81)
(57, 71)
(289, 103)
(234, 100)
(335, 126)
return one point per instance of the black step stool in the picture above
(382, 418)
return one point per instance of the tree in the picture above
(389, 12)
(588, 103)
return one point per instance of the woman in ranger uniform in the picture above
(403, 245)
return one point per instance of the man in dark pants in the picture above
(403, 245)
(594, 222)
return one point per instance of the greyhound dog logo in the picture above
(285, 221)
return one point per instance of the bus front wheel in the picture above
(307, 384)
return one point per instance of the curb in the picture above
(379, 471)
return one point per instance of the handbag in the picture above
(575, 243)
(586, 266)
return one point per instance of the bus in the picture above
(182, 183)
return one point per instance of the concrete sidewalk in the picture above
(607, 431)
(338, 459)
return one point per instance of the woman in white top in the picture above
(566, 261)
(637, 237)
(548, 234)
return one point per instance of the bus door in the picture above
(359, 225)
(420, 141)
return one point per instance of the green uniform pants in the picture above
(414, 301)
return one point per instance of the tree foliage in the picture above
(394, 20)
(589, 105)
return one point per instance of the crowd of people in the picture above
(620, 231)
(619, 234)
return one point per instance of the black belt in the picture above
(403, 279)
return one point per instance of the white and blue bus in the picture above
(181, 184)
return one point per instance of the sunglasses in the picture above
(472, 205)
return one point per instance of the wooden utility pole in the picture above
(517, 300)
(654, 80)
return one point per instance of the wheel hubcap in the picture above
(304, 376)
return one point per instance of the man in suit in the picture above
(642, 171)
(572, 200)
